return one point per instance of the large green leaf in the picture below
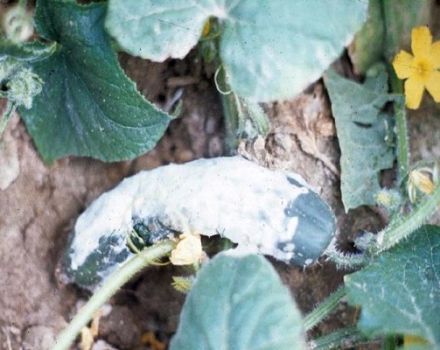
(400, 291)
(368, 43)
(239, 302)
(88, 106)
(363, 132)
(387, 30)
(400, 17)
(270, 49)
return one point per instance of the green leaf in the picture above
(88, 106)
(399, 292)
(387, 30)
(400, 17)
(157, 29)
(364, 134)
(238, 302)
(270, 49)
(368, 44)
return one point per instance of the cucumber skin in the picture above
(263, 211)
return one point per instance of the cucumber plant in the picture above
(249, 70)
(84, 66)
(75, 100)
(87, 105)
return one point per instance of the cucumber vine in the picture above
(260, 54)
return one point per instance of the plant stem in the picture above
(7, 114)
(390, 342)
(324, 309)
(389, 16)
(401, 128)
(403, 227)
(230, 111)
(112, 284)
(231, 122)
(336, 340)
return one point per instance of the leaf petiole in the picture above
(401, 127)
(324, 309)
(342, 338)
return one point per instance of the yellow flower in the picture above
(421, 70)
(422, 181)
(188, 250)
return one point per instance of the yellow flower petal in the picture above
(413, 93)
(421, 40)
(422, 181)
(435, 54)
(403, 64)
(188, 251)
(433, 86)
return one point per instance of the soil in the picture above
(39, 204)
